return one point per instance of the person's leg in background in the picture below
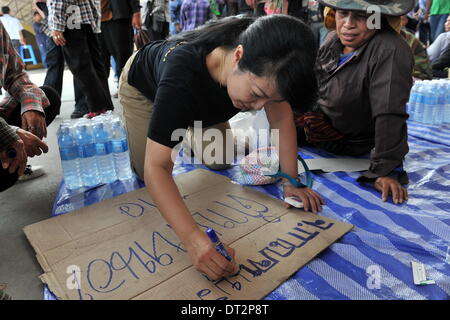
(55, 66)
(119, 37)
(81, 105)
(424, 32)
(83, 56)
(114, 67)
(43, 52)
(106, 53)
(117, 42)
(437, 24)
(95, 49)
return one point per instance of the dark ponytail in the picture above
(278, 46)
(219, 33)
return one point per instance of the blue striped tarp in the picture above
(374, 260)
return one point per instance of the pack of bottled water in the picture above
(94, 152)
(429, 101)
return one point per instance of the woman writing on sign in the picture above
(209, 75)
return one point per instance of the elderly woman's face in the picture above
(352, 29)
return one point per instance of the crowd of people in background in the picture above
(123, 23)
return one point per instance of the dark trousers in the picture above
(84, 58)
(117, 41)
(424, 32)
(55, 74)
(15, 119)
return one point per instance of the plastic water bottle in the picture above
(447, 102)
(86, 150)
(420, 99)
(427, 105)
(68, 151)
(440, 109)
(103, 151)
(412, 102)
(120, 151)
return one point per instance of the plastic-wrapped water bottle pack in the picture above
(94, 152)
(429, 102)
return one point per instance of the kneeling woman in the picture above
(209, 75)
(365, 76)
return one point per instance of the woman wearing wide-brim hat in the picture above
(364, 70)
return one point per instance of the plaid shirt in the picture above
(194, 13)
(16, 82)
(64, 14)
(7, 135)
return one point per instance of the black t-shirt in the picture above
(177, 80)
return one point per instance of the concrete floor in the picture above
(30, 202)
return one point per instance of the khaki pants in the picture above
(137, 112)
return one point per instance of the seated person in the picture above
(26, 106)
(422, 66)
(442, 65)
(365, 77)
(437, 48)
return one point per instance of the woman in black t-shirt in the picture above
(210, 74)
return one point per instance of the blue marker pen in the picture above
(218, 244)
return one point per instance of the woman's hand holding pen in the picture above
(206, 259)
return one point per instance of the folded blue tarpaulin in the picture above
(374, 260)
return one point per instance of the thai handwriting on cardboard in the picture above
(155, 254)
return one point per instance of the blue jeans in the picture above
(43, 51)
(437, 24)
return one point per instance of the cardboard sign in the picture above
(122, 248)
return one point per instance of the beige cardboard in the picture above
(123, 249)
